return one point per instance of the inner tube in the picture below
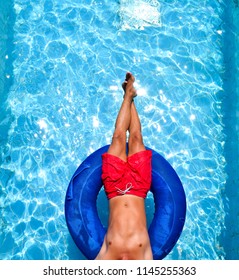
(84, 223)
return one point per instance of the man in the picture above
(127, 179)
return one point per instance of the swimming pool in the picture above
(61, 68)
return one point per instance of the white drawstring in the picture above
(128, 186)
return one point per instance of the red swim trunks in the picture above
(131, 177)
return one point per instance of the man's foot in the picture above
(128, 86)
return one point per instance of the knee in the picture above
(119, 136)
(136, 138)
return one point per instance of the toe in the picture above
(128, 76)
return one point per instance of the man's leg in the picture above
(118, 145)
(135, 136)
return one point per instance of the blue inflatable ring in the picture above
(84, 223)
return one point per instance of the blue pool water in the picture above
(61, 67)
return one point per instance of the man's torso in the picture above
(127, 235)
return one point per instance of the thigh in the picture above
(136, 143)
(118, 146)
